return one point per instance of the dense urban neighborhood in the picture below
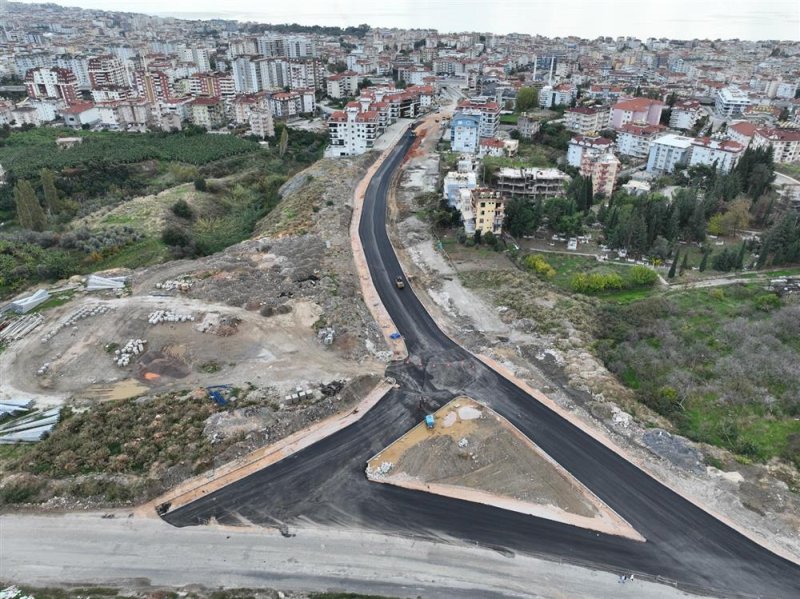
(395, 293)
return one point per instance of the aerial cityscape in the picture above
(331, 303)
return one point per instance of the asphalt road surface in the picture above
(325, 483)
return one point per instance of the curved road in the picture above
(325, 483)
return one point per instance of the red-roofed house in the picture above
(634, 140)
(490, 146)
(785, 143)
(77, 115)
(636, 110)
(742, 132)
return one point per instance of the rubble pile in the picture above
(132, 348)
(80, 314)
(160, 316)
(182, 285)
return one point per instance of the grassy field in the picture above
(722, 364)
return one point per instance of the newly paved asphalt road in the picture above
(325, 483)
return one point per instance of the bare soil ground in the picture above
(263, 313)
(473, 453)
(544, 337)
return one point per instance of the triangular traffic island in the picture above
(467, 451)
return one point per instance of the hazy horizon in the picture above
(680, 19)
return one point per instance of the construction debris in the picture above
(29, 428)
(132, 348)
(160, 316)
(381, 470)
(24, 305)
(17, 329)
(97, 283)
(326, 335)
(183, 285)
(75, 317)
(12, 406)
(299, 394)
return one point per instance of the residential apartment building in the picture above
(684, 114)
(52, 84)
(296, 102)
(454, 181)
(342, 85)
(730, 102)
(634, 140)
(153, 86)
(785, 143)
(712, 152)
(603, 170)
(533, 183)
(580, 145)
(668, 152)
(586, 120)
(489, 114)
(245, 75)
(207, 112)
(487, 212)
(528, 126)
(107, 71)
(636, 110)
(560, 95)
(261, 123)
(353, 131)
(742, 132)
(465, 129)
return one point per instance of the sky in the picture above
(677, 19)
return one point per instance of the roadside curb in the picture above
(197, 487)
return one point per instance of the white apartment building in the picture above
(730, 102)
(586, 120)
(711, 152)
(489, 114)
(668, 152)
(454, 182)
(352, 131)
(634, 140)
(342, 85)
(287, 104)
(261, 122)
(785, 143)
(245, 75)
(684, 114)
(580, 145)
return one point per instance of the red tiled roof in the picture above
(779, 134)
(744, 128)
(78, 108)
(637, 104)
(640, 129)
(492, 142)
(587, 109)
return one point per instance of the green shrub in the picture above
(181, 209)
(175, 237)
(768, 302)
(539, 265)
(641, 276)
(596, 282)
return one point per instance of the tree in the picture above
(283, 144)
(477, 237)
(704, 260)
(521, 217)
(673, 268)
(29, 211)
(684, 263)
(200, 184)
(51, 199)
(527, 98)
(740, 257)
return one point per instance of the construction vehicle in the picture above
(430, 420)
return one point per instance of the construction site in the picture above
(275, 323)
(467, 451)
